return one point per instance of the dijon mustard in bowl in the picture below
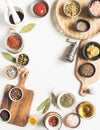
(91, 51)
(71, 8)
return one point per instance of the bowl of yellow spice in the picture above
(71, 8)
(91, 51)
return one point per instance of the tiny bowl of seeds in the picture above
(82, 25)
(14, 42)
(10, 72)
(71, 8)
(87, 70)
(16, 94)
(91, 51)
(5, 115)
(22, 60)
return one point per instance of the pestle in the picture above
(13, 12)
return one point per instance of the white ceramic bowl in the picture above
(8, 13)
(36, 2)
(66, 108)
(19, 98)
(49, 118)
(11, 49)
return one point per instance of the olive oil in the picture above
(86, 110)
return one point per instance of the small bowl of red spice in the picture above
(14, 42)
(53, 121)
(39, 8)
(94, 8)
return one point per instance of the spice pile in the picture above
(87, 70)
(11, 72)
(71, 8)
(22, 60)
(82, 25)
(40, 9)
(95, 8)
(5, 115)
(14, 42)
(15, 94)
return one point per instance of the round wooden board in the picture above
(67, 24)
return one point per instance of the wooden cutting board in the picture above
(85, 82)
(67, 24)
(19, 110)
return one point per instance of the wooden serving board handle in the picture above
(23, 77)
(83, 89)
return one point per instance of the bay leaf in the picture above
(27, 28)
(9, 57)
(47, 106)
(53, 99)
(43, 104)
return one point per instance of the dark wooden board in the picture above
(19, 110)
(80, 60)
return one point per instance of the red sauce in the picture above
(40, 9)
(53, 121)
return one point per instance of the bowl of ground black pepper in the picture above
(14, 42)
(5, 115)
(9, 18)
(87, 70)
(16, 94)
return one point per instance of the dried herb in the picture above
(9, 57)
(42, 105)
(53, 99)
(27, 28)
(47, 106)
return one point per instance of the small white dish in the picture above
(53, 121)
(36, 2)
(5, 115)
(8, 13)
(15, 95)
(13, 50)
(69, 99)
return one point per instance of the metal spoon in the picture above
(13, 12)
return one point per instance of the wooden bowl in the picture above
(10, 70)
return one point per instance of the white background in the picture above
(46, 46)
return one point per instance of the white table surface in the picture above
(45, 46)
